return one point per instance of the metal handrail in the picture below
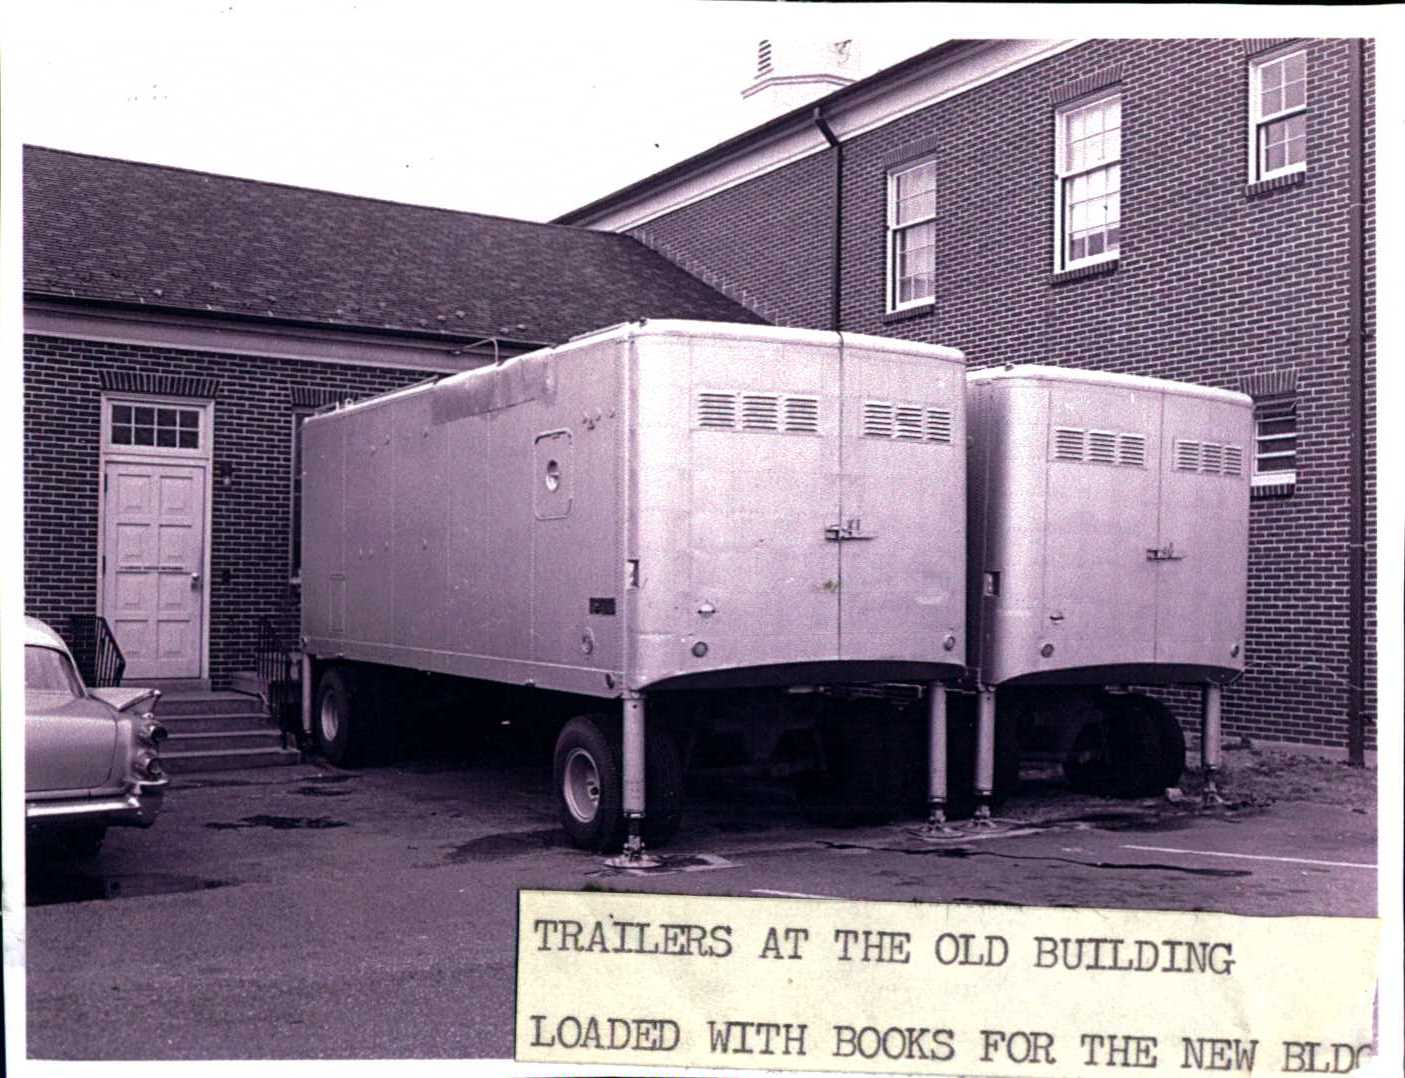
(277, 670)
(95, 650)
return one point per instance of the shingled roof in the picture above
(123, 232)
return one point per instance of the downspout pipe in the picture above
(1356, 404)
(834, 266)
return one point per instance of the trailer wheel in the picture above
(335, 719)
(1170, 737)
(586, 774)
(1118, 754)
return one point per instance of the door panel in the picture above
(1100, 588)
(1204, 531)
(153, 591)
(903, 508)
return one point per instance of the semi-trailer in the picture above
(757, 537)
(665, 529)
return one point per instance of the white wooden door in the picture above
(153, 566)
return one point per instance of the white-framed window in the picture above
(137, 425)
(1275, 441)
(912, 235)
(1088, 179)
(1278, 115)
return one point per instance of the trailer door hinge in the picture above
(1164, 553)
(849, 529)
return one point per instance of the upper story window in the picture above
(912, 236)
(1088, 168)
(1278, 115)
(1275, 441)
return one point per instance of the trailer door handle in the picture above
(849, 530)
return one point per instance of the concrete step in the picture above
(185, 763)
(231, 722)
(208, 703)
(220, 741)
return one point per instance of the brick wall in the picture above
(1212, 284)
(250, 551)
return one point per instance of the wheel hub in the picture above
(580, 785)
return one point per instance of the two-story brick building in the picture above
(1196, 210)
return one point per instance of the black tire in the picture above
(85, 841)
(337, 723)
(1170, 737)
(586, 776)
(1120, 753)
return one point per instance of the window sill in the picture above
(1281, 489)
(907, 313)
(1092, 269)
(1273, 183)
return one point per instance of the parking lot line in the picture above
(787, 894)
(1251, 857)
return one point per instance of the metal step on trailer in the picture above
(219, 731)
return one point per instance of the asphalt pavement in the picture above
(305, 912)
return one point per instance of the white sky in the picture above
(523, 109)
(527, 114)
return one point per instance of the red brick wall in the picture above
(249, 555)
(1212, 284)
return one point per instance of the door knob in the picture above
(194, 579)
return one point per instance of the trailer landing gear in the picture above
(1210, 743)
(633, 855)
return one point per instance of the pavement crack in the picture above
(960, 852)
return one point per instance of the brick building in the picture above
(179, 326)
(1197, 210)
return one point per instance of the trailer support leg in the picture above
(1210, 742)
(633, 855)
(936, 756)
(985, 753)
(307, 696)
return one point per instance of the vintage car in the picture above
(91, 756)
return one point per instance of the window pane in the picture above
(166, 436)
(1272, 102)
(188, 439)
(165, 417)
(1274, 158)
(1295, 67)
(121, 435)
(122, 413)
(189, 418)
(1295, 95)
(143, 435)
(145, 417)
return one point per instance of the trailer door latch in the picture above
(848, 530)
(1163, 553)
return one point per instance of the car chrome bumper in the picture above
(137, 809)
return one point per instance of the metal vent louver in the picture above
(761, 411)
(1209, 458)
(910, 423)
(1131, 450)
(1233, 460)
(802, 415)
(878, 419)
(939, 425)
(1068, 443)
(717, 411)
(1102, 447)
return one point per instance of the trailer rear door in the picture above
(1204, 531)
(900, 525)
